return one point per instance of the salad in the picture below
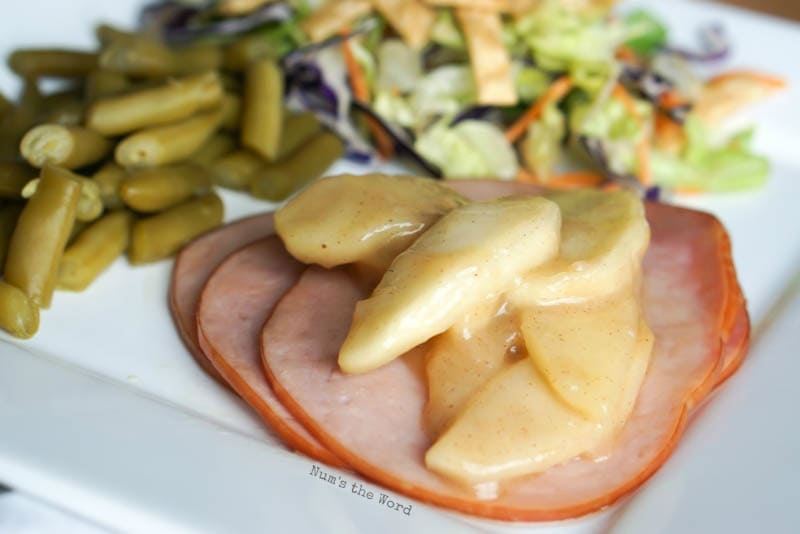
(564, 93)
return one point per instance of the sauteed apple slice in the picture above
(369, 219)
(473, 253)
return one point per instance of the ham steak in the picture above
(195, 263)
(236, 302)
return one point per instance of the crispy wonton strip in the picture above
(727, 93)
(491, 62)
(412, 19)
(501, 6)
(333, 17)
(240, 7)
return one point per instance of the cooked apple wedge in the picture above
(604, 237)
(469, 256)
(369, 219)
(513, 426)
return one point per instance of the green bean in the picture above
(70, 147)
(77, 228)
(102, 84)
(94, 250)
(5, 105)
(109, 179)
(38, 242)
(279, 180)
(21, 119)
(175, 100)
(231, 112)
(67, 114)
(30, 95)
(169, 143)
(262, 117)
(9, 214)
(297, 130)
(90, 205)
(52, 62)
(231, 83)
(13, 177)
(107, 34)
(241, 53)
(152, 190)
(213, 149)
(58, 98)
(63, 107)
(145, 57)
(162, 235)
(235, 169)
(197, 58)
(19, 315)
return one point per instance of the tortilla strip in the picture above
(491, 62)
(233, 8)
(727, 93)
(412, 19)
(333, 17)
(502, 6)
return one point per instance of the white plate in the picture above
(105, 414)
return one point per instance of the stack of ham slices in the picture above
(270, 328)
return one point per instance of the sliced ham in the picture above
(374, 422)
(235, 303)
(195, 263)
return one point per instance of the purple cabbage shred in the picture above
(714, 45)
(181, 24)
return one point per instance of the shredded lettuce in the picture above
(399, 66)
(280, 39)
(531, 83)
(394, 108)
(446, 32)
(443, 91)
(731, 166)
(304, 8)
(470, 149)
(609, 120)
(644, 34)
(541, 148)
(562, 39)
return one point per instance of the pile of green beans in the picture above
(124, 158)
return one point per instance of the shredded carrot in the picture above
(625, 53)
(643, 160)
(611, 186)
(525, 176)
(767, 79)
(668, 134)
(687, 190)
(358, 80)
(643, 146)
(621, 94)
(557, 90)
(670, 99)
(574, 180)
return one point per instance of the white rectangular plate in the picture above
(104, 413)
